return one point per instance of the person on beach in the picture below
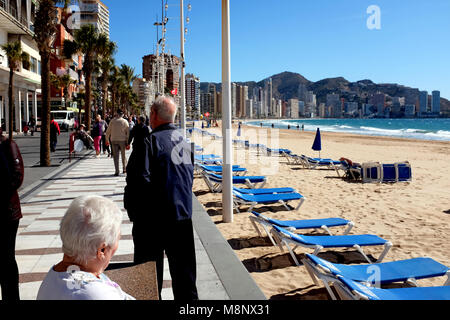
(97, 133)
(12, 174)
(90, 234)
(118, 133)
(158, 198)
(54, 133)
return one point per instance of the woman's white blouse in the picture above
(79, 285)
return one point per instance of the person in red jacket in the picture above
(11, 173)
(54, 133)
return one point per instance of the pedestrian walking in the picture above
(12, 173)
(105, 147)
(54, 133)
(118, 133)
(32, 125)
(139, 132)
(96, 133)
(158, 197)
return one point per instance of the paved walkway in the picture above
(38, 245)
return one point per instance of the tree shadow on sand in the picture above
(273, 261)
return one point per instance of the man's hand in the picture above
(127, 147)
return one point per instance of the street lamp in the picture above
(182, 84)
(227, 196)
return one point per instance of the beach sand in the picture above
(414, 216)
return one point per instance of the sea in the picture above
(424, 129)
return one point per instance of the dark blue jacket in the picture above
(159, 177)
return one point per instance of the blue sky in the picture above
(318, 39)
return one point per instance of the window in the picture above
(33, 65)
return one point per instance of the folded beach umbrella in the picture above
(317, 145)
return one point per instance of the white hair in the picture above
(162, 108)
(89, 222)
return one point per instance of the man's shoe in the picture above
(116, 174)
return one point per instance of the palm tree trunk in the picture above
(45, 111)
(11, 103)
(105, 96)
(87, 103)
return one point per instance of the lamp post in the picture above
(182, 80)
(227, 196)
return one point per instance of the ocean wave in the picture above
(412, 133)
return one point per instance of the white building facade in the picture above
(16, 24)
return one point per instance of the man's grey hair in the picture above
(162, 107)
(89, 222)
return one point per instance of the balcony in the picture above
(11, 20)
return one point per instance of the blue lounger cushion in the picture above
(415, 293)
(268, 198)
(343, 241)
(235, 168)
(395, 271)
(264, 190)
(239, 179)
(306, 224)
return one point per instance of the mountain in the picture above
(285, 86)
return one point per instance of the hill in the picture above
(285, 86)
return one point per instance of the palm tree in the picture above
(105, 64)
(116, 81)
(62, 82)
(16, 56)
(88, 42)
(44, 31)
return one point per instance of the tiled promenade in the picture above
(38, 245)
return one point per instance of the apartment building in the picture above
(16, 24)
(95, 12)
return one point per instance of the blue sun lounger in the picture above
(214, 181)
(349, 289)
(293, 225)
(408, 271)
(264, 190)
(283, 236)
(254, 199)
(236, 169)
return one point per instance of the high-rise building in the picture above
(268, 88)
(378, 101)
(335, 104)
(205, 102)
(192, 93)
(293, 108)
(95, 12)
(436, 102)
(61, 66)
(423, 102)
(152, 69)
(145, 92)
(16, 24)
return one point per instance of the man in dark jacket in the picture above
(158, 198)
(11, 173)
(139, 132)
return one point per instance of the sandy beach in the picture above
(414, 216)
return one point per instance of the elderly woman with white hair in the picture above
(90, 233)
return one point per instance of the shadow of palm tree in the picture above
(303, 294)
(243, 243)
